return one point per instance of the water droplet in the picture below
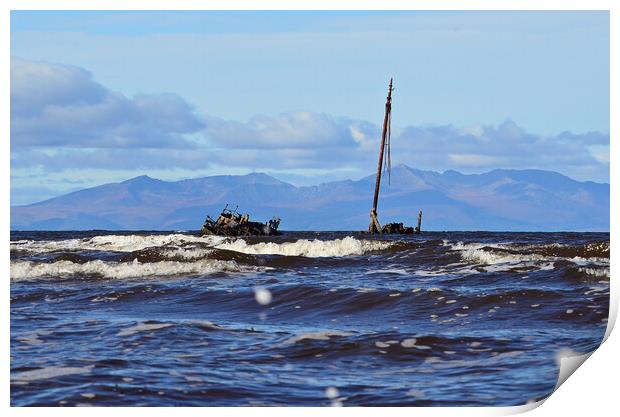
(331, 392)
(262, 296)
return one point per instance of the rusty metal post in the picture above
(418, 228)
(373, 214)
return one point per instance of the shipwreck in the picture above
(385, 165)
(231, 223)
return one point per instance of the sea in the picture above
(105, 318)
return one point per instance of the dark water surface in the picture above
(463, 318)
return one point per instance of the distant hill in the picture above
(519, 200)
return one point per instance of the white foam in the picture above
(602, 272)
(396, 271)
(173, 246)
(497, 261)
(143, 327)
(186, 253)
(118, 243)
(408, 343)
(206, 324)
(324, 335)
(463, 246)
(50, 372)
(316, 248)
(481, 256)
(464, 363)
(597, 291)
(429, 273)
(22, 270)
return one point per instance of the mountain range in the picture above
(507, 200)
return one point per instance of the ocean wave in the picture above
(24, 270)
(184, 246)
(596, 250)
(492, 254)
(186, 253)
(498, 256)
(502, 252)
(50, 372)
(151, 326)
(116, 243)
(597, 272)
(488, 257)
(143, 327)
(321, 335)
(348, 246)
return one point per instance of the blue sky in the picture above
(103, 96)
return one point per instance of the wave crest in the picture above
(23, 270)
(116, 243)
(348, 246)
(192, 247)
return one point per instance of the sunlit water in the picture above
(161, 319)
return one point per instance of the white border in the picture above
(591, 391)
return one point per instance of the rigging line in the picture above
(390, 147)
(387, 159)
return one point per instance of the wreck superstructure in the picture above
(385, 165)
(231, 223)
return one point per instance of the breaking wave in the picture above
(597, 272)
(347, 246)
(136, 255)
(116, 243)
(21, 270)
(192, 247)
(596, 253)
(487, 257)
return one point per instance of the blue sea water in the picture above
(303, 319)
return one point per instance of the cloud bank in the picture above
(55, 105)
(62, 119)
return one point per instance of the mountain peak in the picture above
(262, 178)
(141, 179)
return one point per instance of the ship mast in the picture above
(375, 227)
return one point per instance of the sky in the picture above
(98, 97)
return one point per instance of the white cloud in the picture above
(55, 105)
(504, 146)
(294, 130)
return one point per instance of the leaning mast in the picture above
(374, 226)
